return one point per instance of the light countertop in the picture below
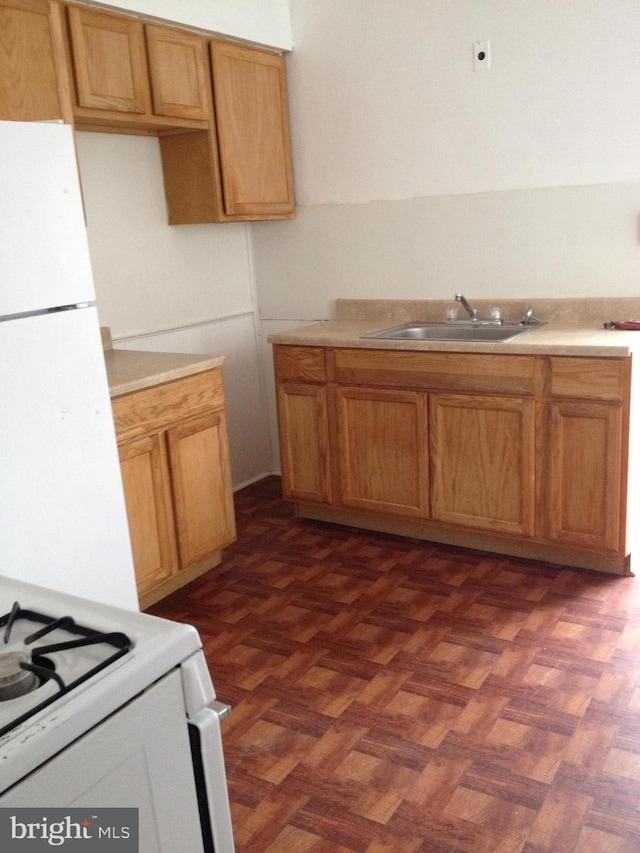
(131, 370)
(570, 329)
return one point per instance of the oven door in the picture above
(139, 757)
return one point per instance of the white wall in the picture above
(416, 176)
(263, 21)
(174, 288)
(150, 275)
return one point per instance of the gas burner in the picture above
(33, 673)
(15, 678)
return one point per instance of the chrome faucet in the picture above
(473, 314)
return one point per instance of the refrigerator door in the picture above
(62, 514)
(43, 241)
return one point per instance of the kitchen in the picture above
(513, 181)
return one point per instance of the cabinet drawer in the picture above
(590, 378)
(303, 364)
(513, 374)
(162, 405)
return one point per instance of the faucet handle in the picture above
(529, 319)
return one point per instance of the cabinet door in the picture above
(482, 461)
(304, 441)
(109, 61)
(382, 437)
(586, 476)
(147, 492)
(253, 130)
(179, 69)
(34, 82)
(200, 469)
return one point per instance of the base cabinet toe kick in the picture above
(526, 455)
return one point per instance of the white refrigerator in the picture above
(63, 521)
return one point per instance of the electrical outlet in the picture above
(482, 55)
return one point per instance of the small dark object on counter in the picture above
(624, 325)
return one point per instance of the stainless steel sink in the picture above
(452, 332)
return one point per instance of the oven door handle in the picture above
(220, 709)
(211, 780)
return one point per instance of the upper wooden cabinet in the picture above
(105, 71)
(109, 61)
(34, 79)
(137, 76)
(178, 67)
(240, 170)
(253, 130)
(227, 163)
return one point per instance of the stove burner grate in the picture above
(24, 671)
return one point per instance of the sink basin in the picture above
(452, 332)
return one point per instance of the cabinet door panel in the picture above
(382, 437)
(109, 60)
(33, 74)
(586, 472)
(179, 68)
(147, 493)
(253, 130)
(304, 441)
(200, 470)
(482, 461)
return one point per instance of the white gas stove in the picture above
(108, 700)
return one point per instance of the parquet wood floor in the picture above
(393, 696)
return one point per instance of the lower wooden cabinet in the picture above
(523, 455)
(483, 461)
(174, 457)
(305, 456)
(200, 475)
(147, 487)
(586, 478)
(383, 450)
